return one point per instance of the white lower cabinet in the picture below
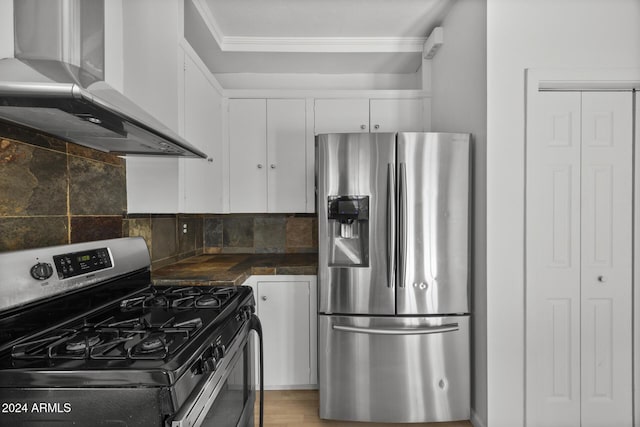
(286, 306)
(579, 247)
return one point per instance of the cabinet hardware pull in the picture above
(264, 298)
(363, 127)
(602, 279)
(259, 166)
(377, 126)
(273, 166)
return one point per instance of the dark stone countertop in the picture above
(233, 269)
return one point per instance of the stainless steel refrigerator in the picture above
(393, 276)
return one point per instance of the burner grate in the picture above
(132, 338)
(180, 297)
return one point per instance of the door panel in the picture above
(247, 155)
(341, 115)
(286, 157)
(284, 312)
(394, 115)
(203, 180)
(606, 211)
(433, 214)
(553, 260)
(356, 165)
(368, 373)
(578, 259)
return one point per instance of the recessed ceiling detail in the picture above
(314, 36)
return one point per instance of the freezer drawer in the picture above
(390, 369)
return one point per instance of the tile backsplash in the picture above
(169, 240)
(260, 233)
(54, 193)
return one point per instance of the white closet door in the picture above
(606, 297)
(553, 260)
(636, 269)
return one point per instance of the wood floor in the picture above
(299, 408)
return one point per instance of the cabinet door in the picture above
(341, 115)
(202, 179)
(553, 260)
(247, 155)
(396, 115)
(284, 312)
(286, 155)
(150, 79)
(606, 247)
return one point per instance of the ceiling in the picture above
(312, 36)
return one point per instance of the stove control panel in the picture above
(79, 263)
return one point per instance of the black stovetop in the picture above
(126, 332)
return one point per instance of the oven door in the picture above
(227, 397)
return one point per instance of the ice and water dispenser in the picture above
(348, 231)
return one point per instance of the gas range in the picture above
(84, 330)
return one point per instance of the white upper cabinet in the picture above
(201, 180)
(341, 115)
(267, 155)
(286, 150)
(150, 75)
(396, 115)
(247, 155)
(365, 115)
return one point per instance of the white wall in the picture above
(525, 34)
(459, 88)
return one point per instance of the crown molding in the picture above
(209, 20)
(306, 44)
(322, 44)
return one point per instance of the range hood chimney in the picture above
(55, 84)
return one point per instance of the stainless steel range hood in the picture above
(42, 91)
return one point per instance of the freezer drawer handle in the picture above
(440, 329)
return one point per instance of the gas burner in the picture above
(150, 344)
(208, 301)
(81, 342)
(158, 301)
(154, 346)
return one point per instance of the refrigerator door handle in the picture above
(402, 225)
(440, 329)
(391, 225)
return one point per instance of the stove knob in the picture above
(41, 271)
(218, 352)
(197, 367)
(210, 364)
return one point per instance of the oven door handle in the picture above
(196, 407)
